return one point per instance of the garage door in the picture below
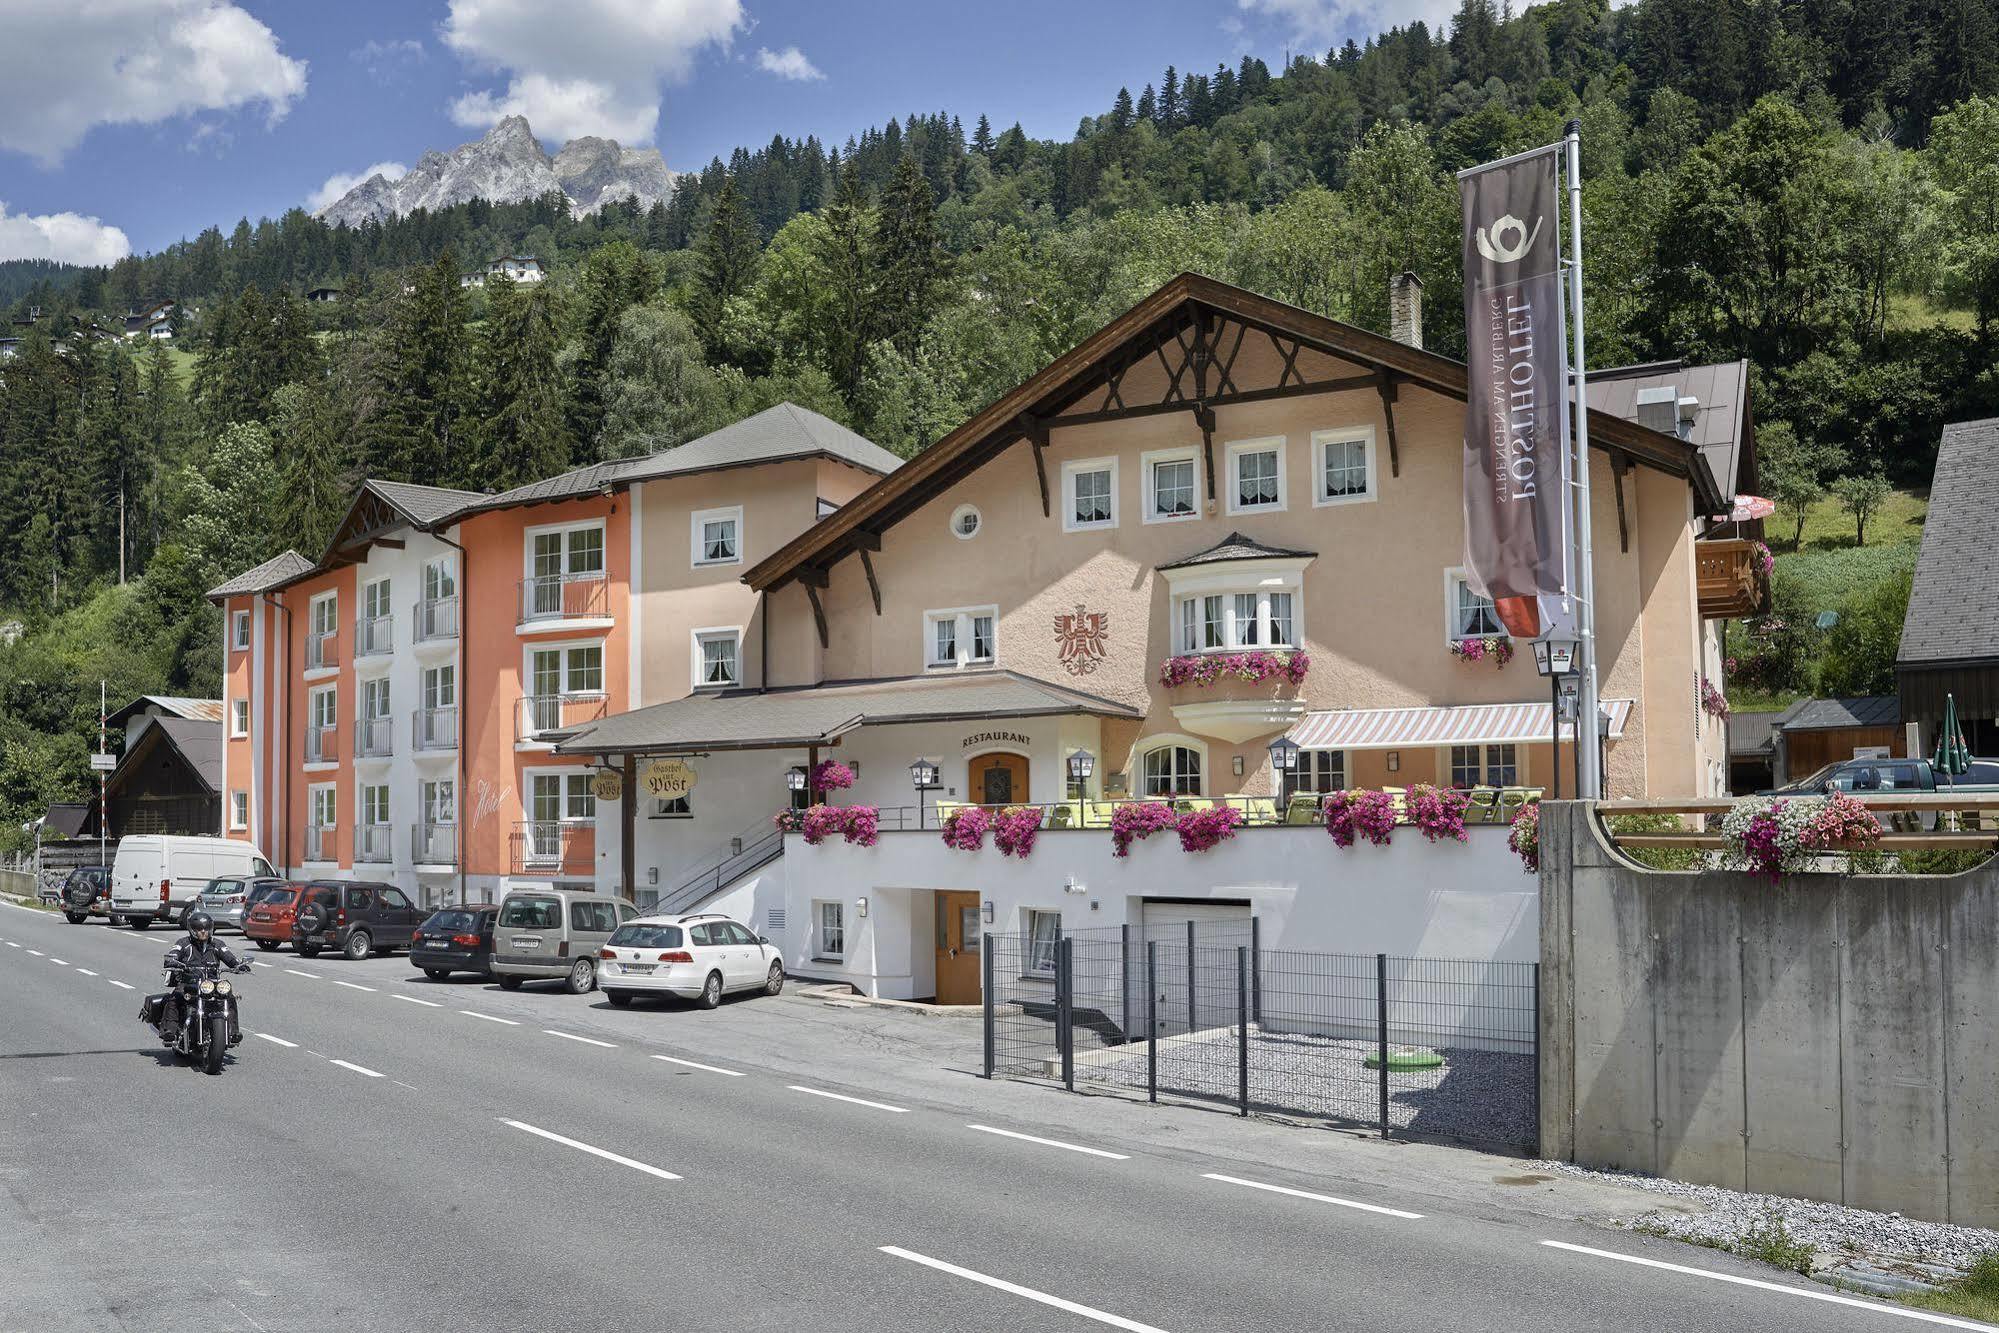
(1194, 990)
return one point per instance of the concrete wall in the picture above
(1829, 1037)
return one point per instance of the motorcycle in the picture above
(208, 1023)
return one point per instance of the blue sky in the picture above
(133, 123)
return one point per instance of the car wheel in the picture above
(774, 983)
(115, 922)
(711, 991)
(582, 978)
(619, 999)
(140, 922)
(268, 946)
(359, 945)
(76, 918)
(509, 981)
(437, 973)
(308, 950)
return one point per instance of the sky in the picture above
(126, 125)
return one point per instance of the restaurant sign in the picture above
(668, 779)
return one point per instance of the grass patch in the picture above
(1659, 858)
(1899, 521)
(1976, 1296)
(1831, 578)
(1914, 310)
(1770, 1243)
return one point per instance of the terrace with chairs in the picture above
(1483, 805)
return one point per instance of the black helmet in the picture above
(201, 926)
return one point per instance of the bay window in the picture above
(1255, 617)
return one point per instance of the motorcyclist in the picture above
(199, 949)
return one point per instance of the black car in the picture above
(87, 890)
(455, 939)
(354, 917)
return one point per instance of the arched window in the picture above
(1173, 770)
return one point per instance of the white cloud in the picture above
(340, 182)
(1318, 25)
(387, 61)
(65, 68)
(790, 63)
(583, 66)
(69, 237)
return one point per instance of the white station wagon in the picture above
(700, 957)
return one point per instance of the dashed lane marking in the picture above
(695, 1064)
(588, 1041)
(359, 1069)
(1316, 1198)
(1014, 1288)
(842, 1097)
(1051, 1143)
(606, 1154)
(278, 1041)
(474, 1013)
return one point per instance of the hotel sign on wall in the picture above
(668, 779)
(1083, 637)
(608, 786)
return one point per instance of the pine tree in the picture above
(1121, 112)
(1148, 104)
(845, 251)
(727, 256)
(615, 277)
(1169, 101)
(419, 380)
(982, 137)
(312, 465)
(909, 258)
(521, 432)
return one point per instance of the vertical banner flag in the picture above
(1516, 399)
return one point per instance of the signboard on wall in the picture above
(608, 785)
(668, 779)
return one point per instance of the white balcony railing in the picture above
(374, 636)
(554, 846)
(563, 597)
(435, 728)
(436, 618)
(542, 714)
(321, 650)
(434, 844)
(322, 745)
(374, 737)
(373, 842)
(319, 842)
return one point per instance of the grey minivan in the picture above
(553, 934)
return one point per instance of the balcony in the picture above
(434, 844)
(319, 842)
(541, 714)
(563, 597)
(372, 842)
(374, 738)
(553, 847)
(1728, 582)
(374, 636)
(434, 729)
(436, 619)
(322, 651)
(322, 745)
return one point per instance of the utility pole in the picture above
(103, 808)
(1590, 765)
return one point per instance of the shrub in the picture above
(1135, 820)
(1014, 829)
(1659, 858)
(1202, 829)
(1437, 812)
(965, 828)
(1360, 814)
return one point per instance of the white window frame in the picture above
(312, 699)
(331, 601)
(239, 631)
(1073, 469)
(697, 538)
(1151, 745)
(1447, 763)
(820, 951)
(1363, 435)
(381, 592)
(1454, 578)
(962, 617)
(564, 649)
(1148, 463)
(439, 573)
(437, 686)
(239, 810)
(698, 664)
(239, 718)
(1039, 964)
(959, 514)
(566, 529)
(1237, 449)
(1260, 579)
(362, 791)
(567, 792)
(374, 690)
(428, 805)
(323, 799)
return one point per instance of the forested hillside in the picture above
(1813, 185)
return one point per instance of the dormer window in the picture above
(1238, 593)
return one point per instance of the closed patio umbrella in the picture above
(1953, 755)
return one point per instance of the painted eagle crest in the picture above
(1083, 637)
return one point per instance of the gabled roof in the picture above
(1235, 546)
(171, 705)
(285, 567)
(198, 743)
(425, 505)
(1881, 710)
(1722, 429)
(381, 507)
(1187, 302)
(1953, 613)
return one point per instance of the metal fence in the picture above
(1416, 1047)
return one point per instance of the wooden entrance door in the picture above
(958, 928)
(998, 779)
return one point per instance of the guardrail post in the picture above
(1256, 967)
(1124, 979)
(1152, 1020)
(1381, 1031)
(1065, 1001)
(1191, 1024)
(986, 997)
(1242, 1028)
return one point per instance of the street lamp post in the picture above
(1081, 765)
(1555, 658)
(1284, 763)
(923, 777)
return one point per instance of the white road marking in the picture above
(309, 976)
(58, 962)
(588, 1041)
(695, 1064)
(411, 999)
(1316, 1198)
(38, 953)
(1051, 1143)
(474, 1013)
(12, 945)
(119, 984)
(85, 972)
(594, 1152)
(359, 1069)
(352, 985)
(841, 1097)
(1001, 1284)
(255, 963)
(278, 1041)
(1878, 1307)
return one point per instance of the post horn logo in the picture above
(1493, 244)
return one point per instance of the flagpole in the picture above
(1588, 755)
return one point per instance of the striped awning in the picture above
(1467, 724)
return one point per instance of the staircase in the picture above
(752, 849)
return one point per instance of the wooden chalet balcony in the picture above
(1727, 580)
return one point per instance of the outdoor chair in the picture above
(1097, 814)
(1066, 814)
(1482, 805)
(1259, 810)
(1399, 799)
(1303, 809)
(1187, 805)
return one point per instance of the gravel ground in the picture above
(1484, 1097)
(1728, 1216)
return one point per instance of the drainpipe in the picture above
(285, 748)
(464, 681)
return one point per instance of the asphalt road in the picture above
(386, 1152)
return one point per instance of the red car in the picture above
(269, 919)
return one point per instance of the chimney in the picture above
(1658, 409)
(1405, 308)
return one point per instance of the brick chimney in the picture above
(1405, 308)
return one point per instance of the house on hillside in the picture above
(519, 268)
(1950, 633)
(153, 320)
(323, 295)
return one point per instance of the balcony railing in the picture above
(322, 650)
(563, 597)
(1726, 578)
(374, 635)
(434, 844)
(373, 842)
(435, 728)
(322, 745)
(374, 737)
(319, 842)
(540, 714)
(436, 618)
(554, 847)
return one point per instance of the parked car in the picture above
(699, 958)
(554, 934)
(455, 939)
(1884, 775)
(159, 876)
(270, 913)
(354, 917)
(86, 893)
(226, 899)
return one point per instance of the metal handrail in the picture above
(1299, 808)
(562, 597)
(552, 712)
(756, 853)
(374, 636)
(322, 745)
(435, 728)
(374, 737)
(322, 650)
(553, 844)
(373, 842)
(436, 618)
(423, 844)
(318, 841)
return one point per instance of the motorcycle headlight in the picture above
(208, 988)
(223, 988)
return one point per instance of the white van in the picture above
(158, 876)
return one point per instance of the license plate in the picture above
(526, 942)
(638, 967)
